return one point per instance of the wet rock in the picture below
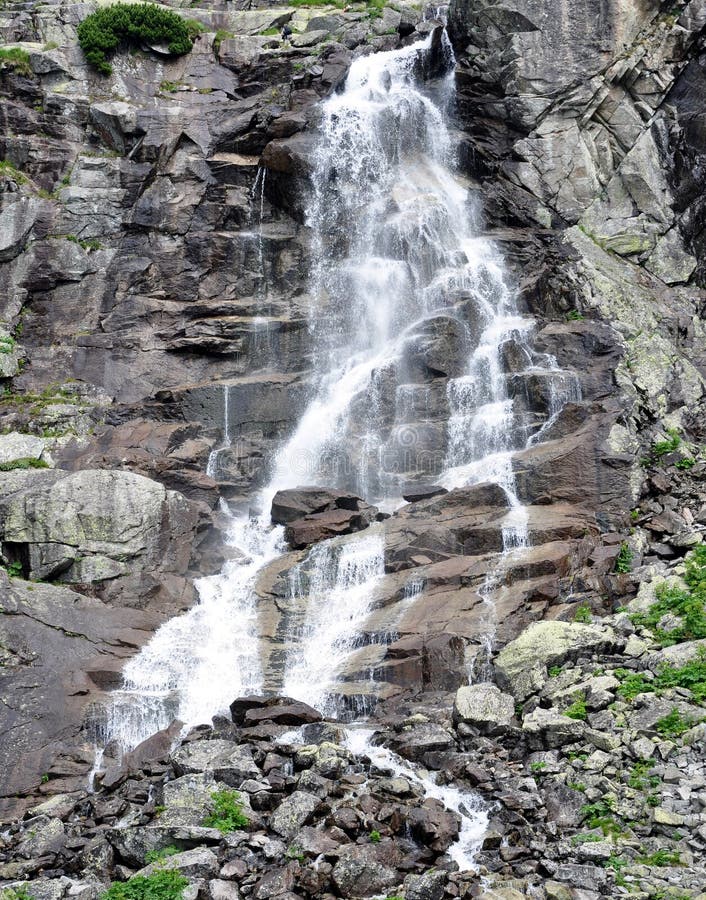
(279, 710)
(314, 514)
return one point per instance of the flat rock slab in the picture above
(484, 706)
(521, 667)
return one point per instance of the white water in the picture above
(471, 809)
(212, 464)
(395, 247)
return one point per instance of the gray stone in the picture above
(293, 812)
(484, 706)
(521, 666)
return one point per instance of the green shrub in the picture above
(17, 58)
(228, 815)
(15, 893)
(674, 724)
(166, 884)
(639, 779)
(105, 30)
(623, 563)
(374, 837)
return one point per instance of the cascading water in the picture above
(397, 255)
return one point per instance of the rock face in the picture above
(156, 349)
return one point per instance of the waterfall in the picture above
(396, 260)
(212, 464)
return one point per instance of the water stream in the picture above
(397, 261)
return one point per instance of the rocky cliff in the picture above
(154, 259)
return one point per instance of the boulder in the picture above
(548, 728)
(365, 870)
(94, 525)
(295, 811)
(279, 710)
(485, 707)
(313, 514)
(198, 863)
(521, 667)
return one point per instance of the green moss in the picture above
(17, 59)
(228, 815)
(108, 28)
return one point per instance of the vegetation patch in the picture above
(228, 815)
(25, 462)
(107, 29)
(675, 724)
(577, 710)
(16, 58)
(167, 884)
(691, 675)
(155, 856)
(623, 562)
(223, 35)
(688, 605)
(9, 171)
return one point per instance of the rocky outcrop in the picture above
(314, 514)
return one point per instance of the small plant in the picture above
(105, 30)
(155, 856)
(639, 779)
(7, 344)
(588, 838)
(50, 45)
(165, 884)
(554, 671)
(45, 778)
(17, 59)
(574, 316)
(674, 724)
(16, 893)
(537, 767)
(9, 171)
(577, 710)
(577, 786)
(295, 852)
(26, 462)
(583, 614)
(662, 448)
(634, 514)
(617, 864)
(14, 569)
(623, 562)
(374, 837)
(689, 605)
(661, 858)
(89, 244)
(223, 35)
(228, 815)
(600, 815)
